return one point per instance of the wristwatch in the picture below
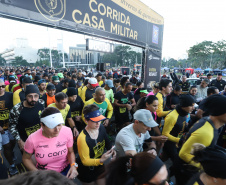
(75, 165)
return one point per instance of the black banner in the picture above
(152, 68)
(126, 21)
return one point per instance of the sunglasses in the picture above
(2, 86)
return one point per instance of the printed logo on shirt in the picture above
(42, 146)
(124, 100)
(32, 129)
(41, 167)
(102, 111)
(59, 144)
(99, 149)
(2, 104)
(75, 113)
(52, 154)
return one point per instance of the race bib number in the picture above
(122, 110)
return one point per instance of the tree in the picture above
(19, 61)
(2, 61)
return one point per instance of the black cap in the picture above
(31, 89)
(50, 86)
(71, 91)
(68, 73)
(219, 74)
(27, 80)
(186, 100)
(45, 74)
(209, 74)
(37, 78)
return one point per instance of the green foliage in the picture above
(2, 61)
(19, 61)
(122, 56)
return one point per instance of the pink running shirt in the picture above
(50, 153)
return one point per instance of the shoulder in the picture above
(52, 105)
(91, 101)
(66, 130)
(17, 91)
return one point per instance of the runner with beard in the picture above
(24, 117)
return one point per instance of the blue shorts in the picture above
(7, 137)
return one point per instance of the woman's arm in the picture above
(72, 173)
(28, 161)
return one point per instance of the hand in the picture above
(75, 132)
(72, 173)
(152, 151)
(106, 122)
(128, 106)
(2, 130)
(106, 155)
(162, 139)
(21, 145)
(173, 106)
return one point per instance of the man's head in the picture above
(128, 87)
(99, 77)
(143, 121)
(187, 103)
(165, 86)
(209, 76)
(72, 94)
(184, 78)
(108, 84)
(61, 100)
(61, 76)
(2, 86)
(42, 85)
(124, 80)
(66, 83)
(12, 80)
(177, 90)
(55, 80)
(204, 83)
(93, 83)
(219, 76)
(6, 71)
(32, 94)
(50, 89)
(36, 79)
(45, 76)
(193, 90)
(116, 82)
(100, 94)
(26, 81)
(212, 90)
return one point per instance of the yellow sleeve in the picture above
(7, 88)
(100, 83)
(170, 121)
(79, 91)
(91, 101)
(204, 135)
(16, 97)
(109, 109)
(64, 91)
(83, 94)
(83, 151)
(159, 111)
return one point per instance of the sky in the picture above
(186, 23)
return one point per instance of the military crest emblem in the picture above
(53, 10)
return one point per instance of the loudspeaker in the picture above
(100, 67)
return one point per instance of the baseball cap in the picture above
(60, 75)
(93, 82)
(55, 79)
(12, 79)
(41, 81)
(219, 74)
(53, 120)
(145, 116)
(95, 116)
(37, 78)
(109, 83)
(50, 86)
(144, 91)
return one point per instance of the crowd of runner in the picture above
(109, 129)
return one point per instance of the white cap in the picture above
(93, 82)
(53, 120)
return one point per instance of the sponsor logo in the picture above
(150, 57)
(59, 144)
(43, 146)
(53, 10)
(155, 34)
